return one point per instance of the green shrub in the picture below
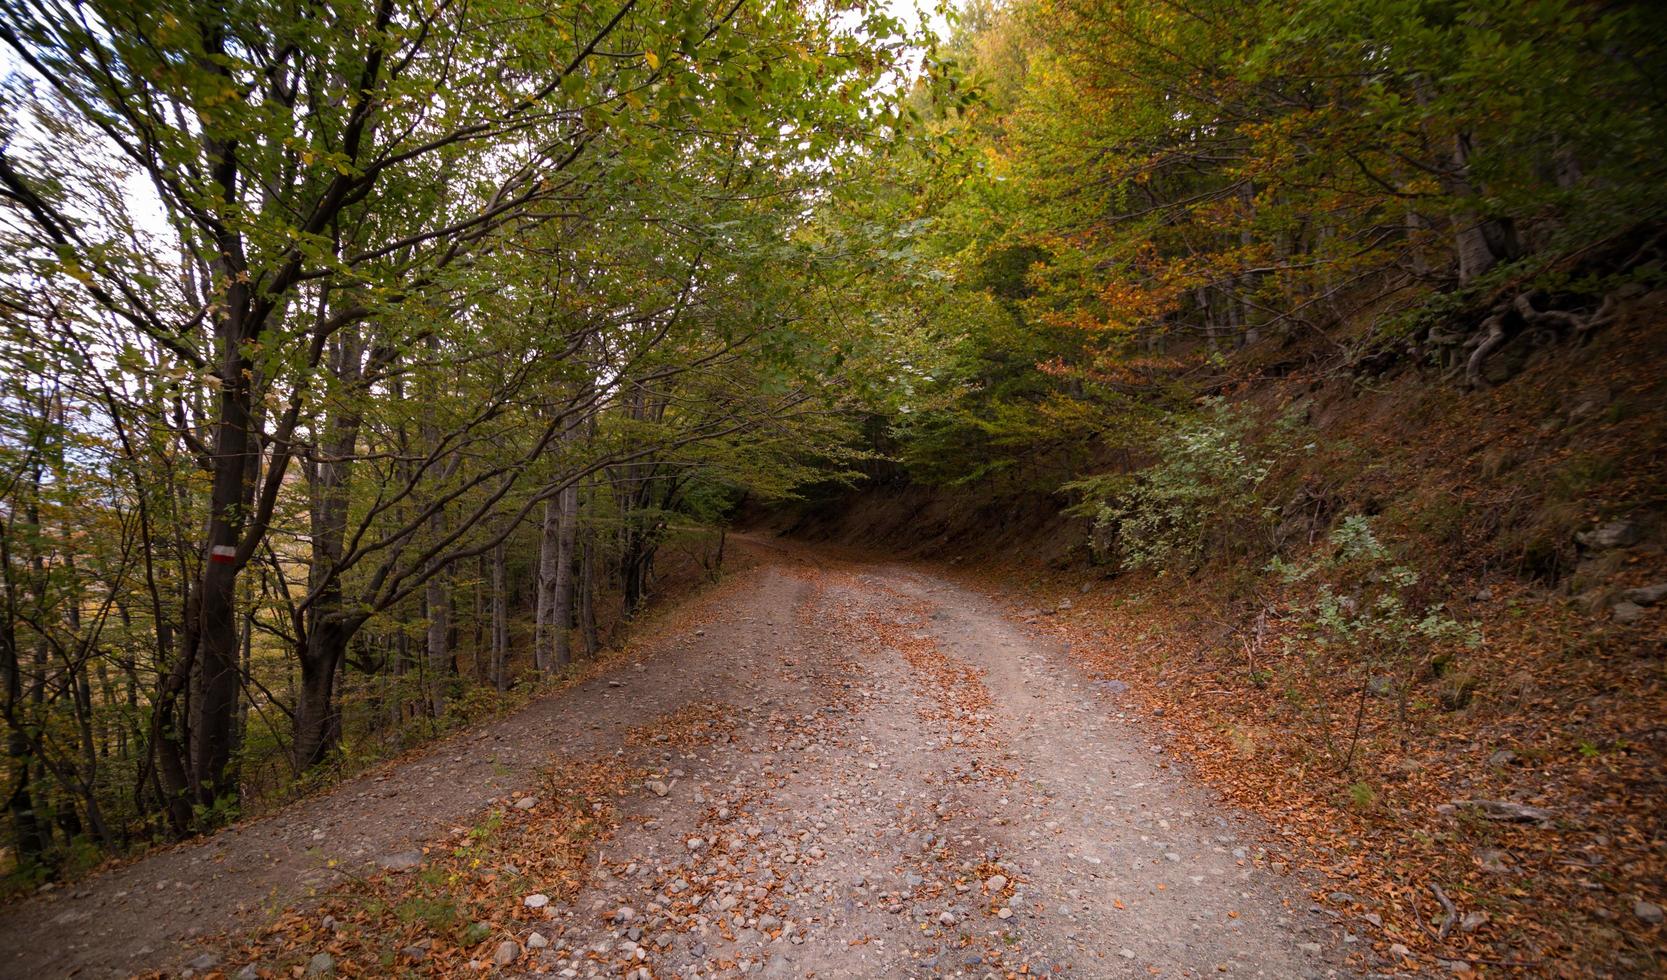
(1363, 605)
(1363, 622)
(1203, 497)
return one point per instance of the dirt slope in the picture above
(909, 786)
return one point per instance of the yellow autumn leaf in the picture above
(652, 59)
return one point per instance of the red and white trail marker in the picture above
(224, 554)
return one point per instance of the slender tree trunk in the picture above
(1206, 311)
(320, 628)
(1416, 227)
(173, 779)
(631, 571)
(246, 658)
(325, 628)
(85, 779)
(402, 667)
(439, 651)
(27, 834)
(168, 734)
(107, 733)
(500, 621)
(546, 621)
(587, 586)
(1243, 315)
(437, 595)
(480, 667)
(561, 650)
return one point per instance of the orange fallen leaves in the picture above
(958, 697)
(444, 918)
(1383, 858)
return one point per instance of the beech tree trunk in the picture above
(544, 615)
(324, 628)
(211, 631)
(27, 834)
(439, 651)
(1481, 242)
(567, 506)
(500, 622)
(479, 668)
(317, 715)
(587, 589)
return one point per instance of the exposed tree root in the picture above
(1508, 319)
(1492, 337)
(1465, 342)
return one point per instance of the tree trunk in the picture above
(500, 621)
(1206, 313)
(27, 834)
(545, 619)
(439, 652)
(318, 720)
(1481, 242)
(173, 779)
(587, 588)
(631, 571)
(1243, 315)
(402, 666)
(211, 634)
(562, 650)
(323, 628)
(480, 667)
(245, 660)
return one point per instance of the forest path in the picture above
(913, 787)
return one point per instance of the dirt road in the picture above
(915, 787)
